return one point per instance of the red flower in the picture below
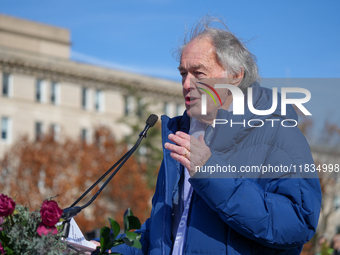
(2, 251)
(7, 205)
(50, 213)
(44, 230)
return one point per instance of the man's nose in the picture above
(187, 82)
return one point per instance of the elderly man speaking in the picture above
(195, 211)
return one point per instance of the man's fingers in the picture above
(183, 141)
(181, 159)
(174, 148)
(196, 154)
(95, 242)
(201, 139)
(183, 135)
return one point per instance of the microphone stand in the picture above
(101, 178)
(70, 212)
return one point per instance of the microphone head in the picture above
(151, 121)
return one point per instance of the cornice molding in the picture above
(59, 73)
(37, 37)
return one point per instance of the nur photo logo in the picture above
(239, 102)
(204, 97)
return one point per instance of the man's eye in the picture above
(199, 74)
(183, 74)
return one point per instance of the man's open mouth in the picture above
(190, 100)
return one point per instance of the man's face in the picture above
(199, 66)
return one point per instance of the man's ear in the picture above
(237, 78)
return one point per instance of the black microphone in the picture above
(72, 211)
(150, 122)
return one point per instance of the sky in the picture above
(291, 39)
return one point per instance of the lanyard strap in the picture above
(182, 228)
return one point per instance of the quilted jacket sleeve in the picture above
(279, 212)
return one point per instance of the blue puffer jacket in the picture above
(265, 214)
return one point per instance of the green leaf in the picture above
(115, 228)
(130, 221)
(24, 222)
(60, 227)
(132, 239)
(3, 238)
(105, 242)
(128, 212)
(131, 236)
(133, 223)
(5, 243)
(118, 242)
(8, 251)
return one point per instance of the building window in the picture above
(85, 98)
(38, 131)
(99, 101)
(55, 95)
(168, 109)
(5, 129)
(55, 130)
(6, 84)
(128, 105)
(40, 91)
(140, 107)
(179, 109)
(85, 136)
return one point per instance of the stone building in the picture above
(41, 89)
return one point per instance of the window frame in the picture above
(39, 134)
(99, 100)
(9, 85)
(40, 91)
(8, 130)
(55, 93)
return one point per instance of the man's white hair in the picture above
(230, 51)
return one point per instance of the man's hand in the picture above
(98, 244)
(188, 150)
